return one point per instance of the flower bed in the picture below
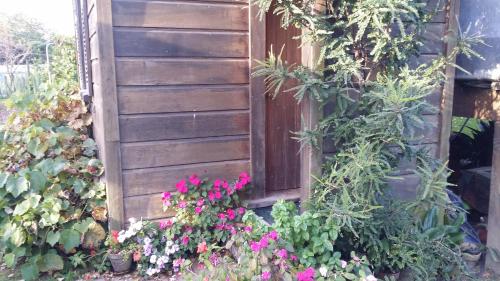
(212, 236)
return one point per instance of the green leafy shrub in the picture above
(51, 204)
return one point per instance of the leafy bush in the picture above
(51, 202)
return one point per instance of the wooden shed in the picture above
(172, 95)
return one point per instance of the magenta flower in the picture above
(218, 195)
(198, 210)
(255, 246)
(221, 216)
(230, 214)
(294, 258)
(200, 202)
(211, 196)
(264, 242)
(244, 178)
(248, 228)
(185, 240)
(182, 204)
(194, 180)
(217, 183)
(266, 275)
(166, 196)
(241, 211)
(182, 186)
(273, 235)
(306, 275)
(163, 225)
(283, 253)
(238, 186)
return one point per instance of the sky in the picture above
(55, 15)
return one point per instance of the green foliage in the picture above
(374, 102)
(49, 193)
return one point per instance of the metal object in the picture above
(481, 17)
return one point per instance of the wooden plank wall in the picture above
(182, 74)
(430, 137)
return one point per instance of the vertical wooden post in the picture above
(257, 104)
(494, 208)
(449, 86)
(107, 107)
(310, 157)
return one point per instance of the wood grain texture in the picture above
(180, 15)
(174, 43)
(155, 180)
(444, 124)
(108, 113)
(433, 39)
(494, 208)
(283, 113)
(181, 71)
(185, 125)
(134, 100)
(258, 105)
(166, 153)
(476, 103)
(144, 206)
(404, 187)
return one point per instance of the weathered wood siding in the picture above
(182, 74)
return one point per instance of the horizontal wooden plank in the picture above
(167, 153)
(133, 100)
(145, 207)
(184, 125)
(404, 187)
(178, 72)
(430, 134)
(174, 43)
(155, 180)
(180, 15)
(438, 9)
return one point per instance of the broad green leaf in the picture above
(79, 185)
(30, 202)
(10, 259)
(53, 237)
(51, 262)
(3, 179)
(70, 239)
(37, 148)
(37, 180)
(16, 185)
(30, 271)
(18, 237)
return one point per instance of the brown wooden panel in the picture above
(168, 43)
(96, 72)
(430, 134)
(282, 114)
(94, 45)
(476, 102)
(144, 206)
(438, 7)
(404, 187)
(184, 125)
(181, 71)
(166, 153)
(180, 15)
(155, 180)
(134, 100)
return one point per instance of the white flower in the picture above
(323, 271)
(152, 259)
(343, 263)
(370, 278)
(147, 240)
(121, 238)
(132, 221)
(170, 243)
(151, 271)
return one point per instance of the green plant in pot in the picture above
(121, 246)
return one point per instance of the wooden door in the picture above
(282, 115)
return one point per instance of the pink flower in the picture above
(255, 246)
(218, 183)
(241, 211)
(230, 214)
(166, 196)
(218, 195)
(182, 186)
(211, 196)
(220, 226)
(200, 202)
(164, 225)
(283, 253)
(244, 178)
(188, 228)
(273, 235)
(198, 210)
(194, 180)
(238, 186)
(221, 216)
(264, 242)
(182, 204)
(185, 240)
(266, 275)
(294, 258)
(306, 275)
(343, 263)
(248, 228)
(227, 187)
(370, 278)
(202, 247)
